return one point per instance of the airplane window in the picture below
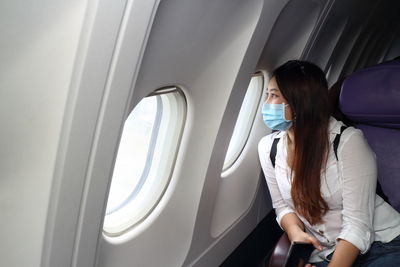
(145, 159)
(244, 121)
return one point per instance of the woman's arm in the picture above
(278, 203)
(294, 228)
(359, 175)
(285, 215)
(345, 254)
(291, 223)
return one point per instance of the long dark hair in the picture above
(304, 86)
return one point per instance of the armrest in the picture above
(280, 251)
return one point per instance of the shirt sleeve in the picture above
(359, 176)
(278, 203)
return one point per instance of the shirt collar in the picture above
(280, 134)
(334, 126)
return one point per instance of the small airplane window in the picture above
(145, 159)
(245, 120)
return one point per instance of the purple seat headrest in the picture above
(372, 96)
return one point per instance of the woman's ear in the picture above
(289, 113)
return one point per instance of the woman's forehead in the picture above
(272, 84)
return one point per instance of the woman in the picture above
(321, 194)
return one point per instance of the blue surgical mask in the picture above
(274, 116)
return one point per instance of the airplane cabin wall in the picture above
(355, 34)
(220, 221)
(39, 43)
(394, 50)
(58, 63)
(71, 73)
(211, 38)
(221, 218)
(110, 51)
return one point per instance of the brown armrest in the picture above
(281, 249)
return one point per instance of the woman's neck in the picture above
(290, 147)
(290, 135)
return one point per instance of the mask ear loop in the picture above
(284, 111)
(294, 117)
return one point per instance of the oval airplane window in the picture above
(145, 159)
(245, 120)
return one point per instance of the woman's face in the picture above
(274, 96)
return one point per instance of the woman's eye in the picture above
(271, 95)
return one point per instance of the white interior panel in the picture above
(212, 38)
(38, 47)
(242, 179)
(291, 32)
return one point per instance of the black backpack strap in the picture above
(272, 154)
(379, 190)
(336, 141)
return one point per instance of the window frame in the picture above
(228, 164)
(149, 175)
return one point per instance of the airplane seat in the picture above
(281, 249)
(370, 99)
(334, 92)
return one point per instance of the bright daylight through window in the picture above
(145, 159)
(244, 121)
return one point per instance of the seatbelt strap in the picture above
(272, 154)
(337, 140)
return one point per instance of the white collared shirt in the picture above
(356, 213)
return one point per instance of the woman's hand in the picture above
(297, 235)
(295, 230)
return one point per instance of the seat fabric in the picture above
(370, 99)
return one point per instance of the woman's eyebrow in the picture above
(272, 89)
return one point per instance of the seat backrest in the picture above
(370, 99)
